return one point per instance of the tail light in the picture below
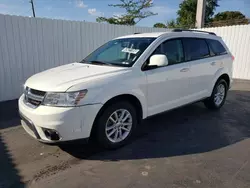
(233, 58)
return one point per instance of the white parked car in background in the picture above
(128, 79)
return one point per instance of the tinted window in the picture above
(195, 48)
(173, 50)
(216, 47)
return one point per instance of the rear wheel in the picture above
(218, 97)
(116, 125)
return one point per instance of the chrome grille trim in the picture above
(33, 100)
(34, 97)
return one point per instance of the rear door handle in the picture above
(184, 70)
(213, 63)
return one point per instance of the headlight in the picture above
(64, 99)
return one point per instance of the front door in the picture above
(168, 86)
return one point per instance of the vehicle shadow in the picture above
(188, 130)
(9, 175)
(9, 116)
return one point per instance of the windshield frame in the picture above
(150, 40)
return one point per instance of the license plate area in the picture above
(30, 126)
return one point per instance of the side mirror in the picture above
(157, 60)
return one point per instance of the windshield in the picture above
(119, 52)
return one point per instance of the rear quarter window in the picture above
(216, 47)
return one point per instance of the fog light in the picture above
(51, 134)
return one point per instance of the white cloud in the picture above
(80, 4)
(163, 10)
(3, 6)
(12, 10)
(94, 12)
(49, 8)
(118, 14)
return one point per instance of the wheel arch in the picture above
(211, 102)
(225, 77)
(132, 99)
(220, 74)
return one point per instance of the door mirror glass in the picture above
(157, 60)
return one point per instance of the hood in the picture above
(61, 78)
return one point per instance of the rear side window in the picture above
(195, 49)
(216, 47)
(173, 49)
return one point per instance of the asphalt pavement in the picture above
(188, 147)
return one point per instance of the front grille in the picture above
(37, 92)
(33, 102)
(33, 98)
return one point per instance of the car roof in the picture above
(178, 33)
(144, 35)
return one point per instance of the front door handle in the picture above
(184, 70)
(213, 63)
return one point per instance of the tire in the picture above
(210, 102)
(104, 122)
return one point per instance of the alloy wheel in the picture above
(220, 94)
(118, 125)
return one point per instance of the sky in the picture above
(89, 10)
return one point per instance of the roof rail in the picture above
(180, 30)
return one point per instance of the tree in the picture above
(117, 20)
(172, 24)
(187, 12)
(229, 18)
(160, 25)
(136, 10)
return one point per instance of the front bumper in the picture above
(70, 123)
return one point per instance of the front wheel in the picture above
(116, 125)
(218, 97)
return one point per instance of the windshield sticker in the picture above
(130, 50)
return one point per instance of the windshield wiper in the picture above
(98, 62)
(83, 61)
(94, 62)
(101, 63)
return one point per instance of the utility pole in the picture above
(200, 13)
(33, 9)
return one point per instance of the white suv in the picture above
(124, 81)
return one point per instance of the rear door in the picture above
(202, 66)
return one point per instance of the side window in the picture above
(173, 50)
(216, 47)
(157, 50)
(195, 48)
